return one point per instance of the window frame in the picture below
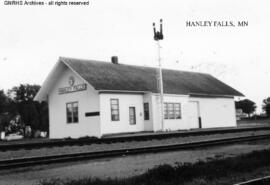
(172, 110)
(177, 113)
(146, 112)
(134, 116)
(73, 111)
(165, 114)
(113, 109)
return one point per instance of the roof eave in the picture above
(43, 92)
(214, 95)
(122, 92)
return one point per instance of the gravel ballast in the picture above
(119, 145)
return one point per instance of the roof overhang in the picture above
(43, 93)
(52, 78)
(121, 92)
(195, 95)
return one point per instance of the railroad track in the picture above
(258, 181)
(31, 161)
(88, 141)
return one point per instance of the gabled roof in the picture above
(105, 76)
(109, 76)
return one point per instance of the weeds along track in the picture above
(31, 161)
(28, 145)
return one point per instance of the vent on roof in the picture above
(114, 59)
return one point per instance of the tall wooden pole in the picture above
(161, 86)
(158, 35)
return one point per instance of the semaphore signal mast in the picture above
(158, 35)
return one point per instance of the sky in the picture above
(33, 37)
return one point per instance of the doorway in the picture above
(194, 115)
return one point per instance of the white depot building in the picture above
(93, 98)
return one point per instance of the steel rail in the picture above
(31, 161)
(115, 139)
(256, 181)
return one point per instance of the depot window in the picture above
(172, 111)
(146, 111)
(115, 110)
(72, 112)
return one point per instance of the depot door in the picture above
(193, 118)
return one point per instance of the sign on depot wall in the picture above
(72, 87)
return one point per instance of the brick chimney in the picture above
(114, 59)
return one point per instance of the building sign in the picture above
(72, 88)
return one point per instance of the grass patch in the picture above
(221, 171)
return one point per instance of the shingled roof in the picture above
(122, 77)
